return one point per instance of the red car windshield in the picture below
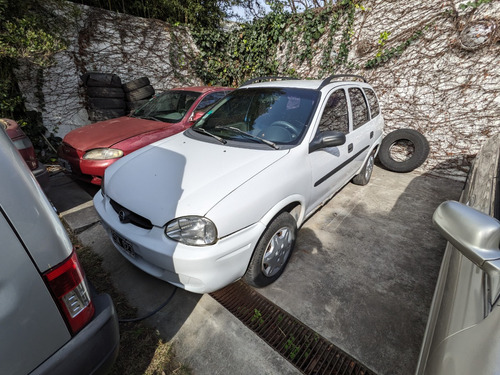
(171, 106)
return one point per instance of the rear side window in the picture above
(373, 102)
(359, 108)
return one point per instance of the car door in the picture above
(330, 168)
(363, 131)
(462, 334)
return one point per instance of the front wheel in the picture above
(272, 251)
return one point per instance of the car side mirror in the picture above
(476, 235)
(327, 139)
(195, 116)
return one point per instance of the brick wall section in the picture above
(450, 94)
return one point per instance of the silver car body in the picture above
(34, 337)
(463, 330)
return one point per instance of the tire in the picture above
(105, 114)
(107, 103)
(101, 80)
(403, 150)
(105, 92)
(132, 106)
(366, 173)
(277, 242)
(136, 84)
(139, 94)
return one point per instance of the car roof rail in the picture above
(327, 80)
(270, 78)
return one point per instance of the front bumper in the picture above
(90, 171)
(199, 269)
(93, 350)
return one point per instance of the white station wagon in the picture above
(223, 200)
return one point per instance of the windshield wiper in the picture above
(203, 131)
(262, 140)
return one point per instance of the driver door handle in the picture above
(350, 147)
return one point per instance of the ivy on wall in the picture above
(229, 57)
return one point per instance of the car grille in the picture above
(127, 216)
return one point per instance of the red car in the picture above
(27, 151)
(86, 152)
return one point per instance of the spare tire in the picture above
(132, 106)
(136, 84)
(105, 114)
(403, 150)
(107, 103)
(101, 80)
(105, 92)
(140, 93)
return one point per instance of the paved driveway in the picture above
(362, 275)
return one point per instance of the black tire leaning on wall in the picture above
(403, 138)
(140, 93)
(105, 114)
(132, 106)
(136, 84)
(105, 92)
(107, 103)
(101, 80)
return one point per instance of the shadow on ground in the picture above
(365, 267)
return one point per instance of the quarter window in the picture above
(335, 115)
(372, 100)
(359, 108)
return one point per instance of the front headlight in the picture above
(103, 154)
(192, 230)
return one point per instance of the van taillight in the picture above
(68, 285)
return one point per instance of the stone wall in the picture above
(437, 86)
(107, 42)
(443, 89)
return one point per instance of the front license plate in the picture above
(63, 163)
(123, 243)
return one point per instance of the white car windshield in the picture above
(276, 115)
(170, 106)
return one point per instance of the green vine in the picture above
(473, 4)
(382, 58)
(256, 49)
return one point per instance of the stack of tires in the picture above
(137, 92)
(106, 98)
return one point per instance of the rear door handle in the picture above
(350, 147)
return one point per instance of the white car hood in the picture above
(181, 176)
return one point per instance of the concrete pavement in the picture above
(362, 275)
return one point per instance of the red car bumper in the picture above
(90, 171)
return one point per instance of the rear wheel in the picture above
(272, 251)
(366, 173)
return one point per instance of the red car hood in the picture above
(109, 132)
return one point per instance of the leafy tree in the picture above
(27, 31)
(201, 13)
